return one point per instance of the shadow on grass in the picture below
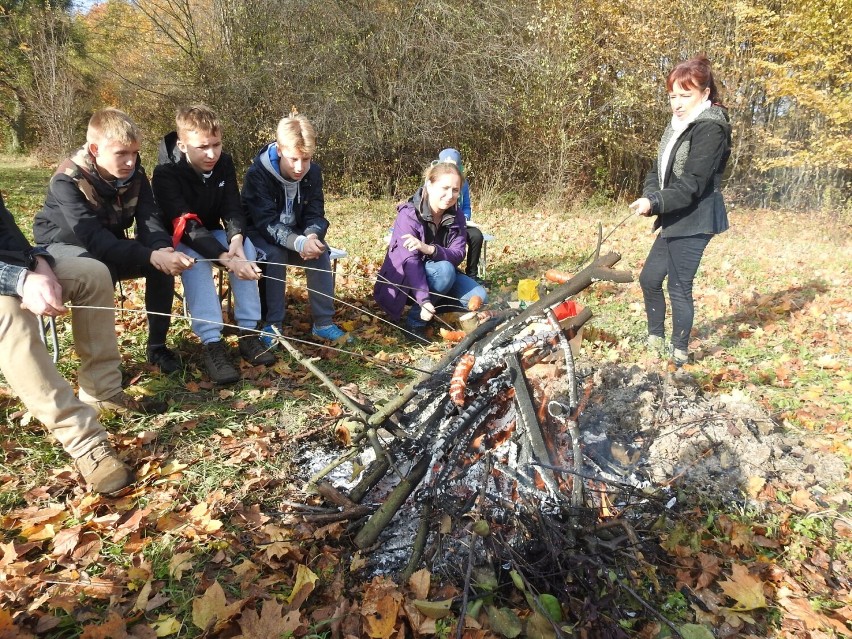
(762, 311)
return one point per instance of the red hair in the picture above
(694, 73)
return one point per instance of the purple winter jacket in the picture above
(405, 269)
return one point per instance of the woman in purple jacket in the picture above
(425, 249)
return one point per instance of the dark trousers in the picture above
(159, 289)
(676, 258)
(474, 250)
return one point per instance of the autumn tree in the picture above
(39, 76)
(800, 59)
(552, 98)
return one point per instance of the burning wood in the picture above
(490, 435)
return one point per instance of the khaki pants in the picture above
(30, 372)
(87, 282)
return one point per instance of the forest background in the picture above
(550, 101)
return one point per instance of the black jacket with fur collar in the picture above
(691, 202)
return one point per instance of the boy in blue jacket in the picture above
(284, 203)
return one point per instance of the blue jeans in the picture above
(317, 273)
(203, 301)
(445, 280)
(676, 258)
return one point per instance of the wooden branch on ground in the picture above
(322, 377)
(597, 270)
(367, 536)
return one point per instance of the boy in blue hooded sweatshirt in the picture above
(285, 208)
(474, 235)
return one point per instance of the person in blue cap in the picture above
(474, 235)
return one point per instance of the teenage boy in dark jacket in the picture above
(94, 197)
(33, 283)
(200, 199)
(284, 203)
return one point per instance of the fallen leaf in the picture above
(710, 570)
(272, 622)
(695, 631)
(171, 467)
(142, 600)
(38, 532)
(801, 609)
(754, 485)
(165, 626)
(802, 499)
(380, 608)
(504, 621)
(8, 629)
(434, 609)
(66, 540)
(744, 588)
(179, 564)
(828, 362)
(114, 628)
(212, 609)
(302, 588)
(539, 627)
(419, 583)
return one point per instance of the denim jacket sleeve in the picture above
(9, 276)
(15, 252)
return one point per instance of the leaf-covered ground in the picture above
(207, 545)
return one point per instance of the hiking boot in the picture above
(332, 333)
(655, 344)
(218, 364)
(122, 403)
(165, 359)
(680, 356)
(253, 350)
(103, 471)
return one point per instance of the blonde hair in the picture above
(297, 133)
(199, 118)
(112, 124)
(441, 167)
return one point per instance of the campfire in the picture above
(485, 447)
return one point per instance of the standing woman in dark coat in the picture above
(683, 191)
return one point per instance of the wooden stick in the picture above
(367, 536)
(296, 354)
(345, 457)
(419, 541)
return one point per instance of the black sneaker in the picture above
(417, 334)
(218, 364)
(254, 351)
(165, 359)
